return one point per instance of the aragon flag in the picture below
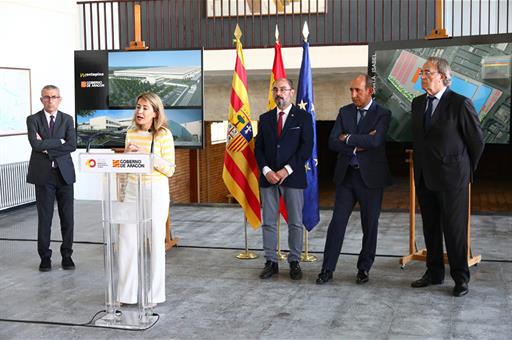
(305, 100)
(240, 172)
(277, 73)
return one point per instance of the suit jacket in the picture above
(294, 147)
(40, 164)
(373, 163)
(448, 153)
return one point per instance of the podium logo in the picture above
(116, 163)
(90, 163)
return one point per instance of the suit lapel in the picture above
(350, 119)
(422, 102)
(273, 122)
(58, 123)
(441, 106)
(44, 123)
(368, 118)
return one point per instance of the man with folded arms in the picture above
(51, 134)
(362, 172)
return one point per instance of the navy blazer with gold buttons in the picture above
(293, 147)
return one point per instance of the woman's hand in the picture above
(132, 148)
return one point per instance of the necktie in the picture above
(428, 112)
(280, 124)
(360, 115)
(52, 124)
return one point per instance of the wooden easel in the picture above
(137, 44)
(421, 255)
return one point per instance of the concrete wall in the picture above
(332, 68)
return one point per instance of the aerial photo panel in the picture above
(176, 76)
(480, 72)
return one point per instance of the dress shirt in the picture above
(48, 119)
(366, 108)
(286, 111)
(437, 98)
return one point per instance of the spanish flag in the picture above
(277, 71)
(240, 172)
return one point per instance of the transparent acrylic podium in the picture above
(125, 202)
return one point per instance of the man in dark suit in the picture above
(448, 143)
(361, 173)
(51, 134)
(283, 145)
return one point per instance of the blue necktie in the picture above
(360, 115)
(52, 124)
(428, 112)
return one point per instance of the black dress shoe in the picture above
(460, 289)
(270, 269)
(67, 263)
(46, 264)
(426, 280)
(362, 276)
(324, 277)
(295, 271)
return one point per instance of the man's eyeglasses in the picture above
(281, 89)
(48, 98)
(427, 73)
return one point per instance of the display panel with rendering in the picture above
(107, 84)
(481, 71)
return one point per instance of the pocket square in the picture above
(295, 128)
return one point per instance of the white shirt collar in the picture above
(286, 110)
(367, 107)
(439, 94)
(47, 115)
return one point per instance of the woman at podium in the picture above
(148, 134)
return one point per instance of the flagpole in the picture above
(239, 159)
(280, 256)
(246, 255)
(306, 257)
(305, 94)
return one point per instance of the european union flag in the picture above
(310, 212)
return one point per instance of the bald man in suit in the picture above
(283, 145)
(362, 172)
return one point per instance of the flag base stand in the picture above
(281, 256)
(247, 255)
(305, 257)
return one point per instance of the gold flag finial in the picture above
(277, 33)
(238, 32)
(305, 31)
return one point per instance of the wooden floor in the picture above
(488, 196)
